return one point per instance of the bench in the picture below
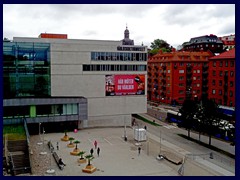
(56, 157)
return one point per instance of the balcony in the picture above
(205, 67)
(205, 73)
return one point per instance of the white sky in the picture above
(175, 24)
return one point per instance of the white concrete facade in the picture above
(69, 80)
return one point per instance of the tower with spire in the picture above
(126, 40)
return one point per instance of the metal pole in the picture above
(39, 131)
(160, 143)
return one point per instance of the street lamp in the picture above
(160, 156)
(43, 152)
(39, 130)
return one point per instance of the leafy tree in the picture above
(158, 44)
(76, 142)
(188, 111)
(81, 153)
(209, 118)
(89, 158)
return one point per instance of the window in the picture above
(213, 91)
(214, 64)
(231, 94)
(226, 63)
(214, 73)
(198, 85)
(220, 92)
(220, 63)
(220, 82)
(181, 78)
(194, 78)
(231, 73)
(232, 63)
(231, 83)
(181, 64)
(213, 82)
(181, 71)
(220, 73)
(198, 71)
(181, 92)
(169, 71)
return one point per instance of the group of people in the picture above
(96, 147)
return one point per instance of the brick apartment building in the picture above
(175, 76)
(222, 78)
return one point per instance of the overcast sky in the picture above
(146, 22)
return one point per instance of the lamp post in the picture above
(43, 152)
(39, 131)
(125, 134)
(160, 156)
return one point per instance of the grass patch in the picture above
(14, 132)
(145, 120)
(208, 146)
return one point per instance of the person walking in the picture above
(139, 150)
(95, 144)
(57, 146)
(91, 151)
(98, 151)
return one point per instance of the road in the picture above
(169, 133)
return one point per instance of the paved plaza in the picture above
(117, 157)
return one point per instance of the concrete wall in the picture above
(68, 80)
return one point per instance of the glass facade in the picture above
(40, 110)
(26, 69)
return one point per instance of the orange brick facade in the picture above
(176, 76)
(222, 78)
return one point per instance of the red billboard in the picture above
(120, 85)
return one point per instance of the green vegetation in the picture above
(14, 132)
(145, 120)
(208, 146)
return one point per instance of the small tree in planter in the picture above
(89, 168)
(65, 137)
(81, 159)
(89, 158)
(71, 145)
(76, 150)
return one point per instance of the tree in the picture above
(188, 111)
(209, 118)
(81, 153)
(89, 158)
(76, 142)
(158, 44)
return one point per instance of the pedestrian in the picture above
(95, 144)
(57, 146)
(145, 127)
(91, 151)
(98, 151)
(139, 150)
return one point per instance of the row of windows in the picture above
(118, 56)
(220, 64)
(220, 83)
(180, 64)
(108, 67)
(40, 110)
(220, 92)
(225, 73)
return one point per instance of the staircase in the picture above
(18, 157)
